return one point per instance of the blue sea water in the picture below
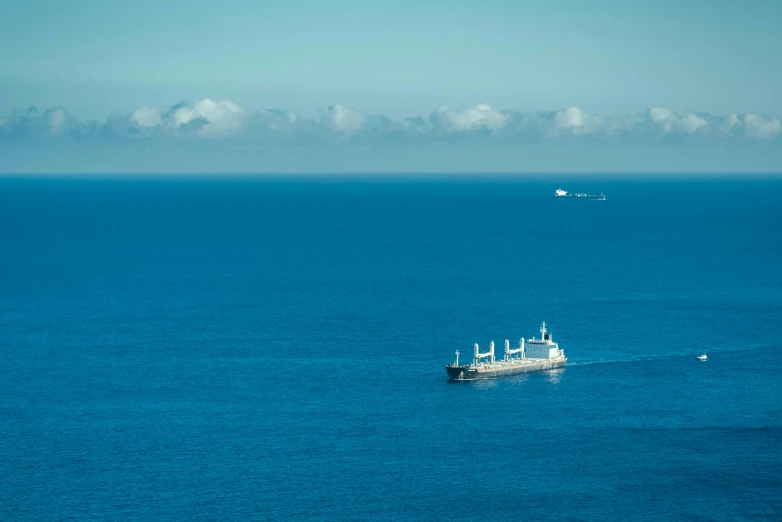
(261, 348)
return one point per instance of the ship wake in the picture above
(668, 356)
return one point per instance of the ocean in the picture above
(268, 348)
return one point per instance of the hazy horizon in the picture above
(428, 86)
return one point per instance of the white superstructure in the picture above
(543, 348)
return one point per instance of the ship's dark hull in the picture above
(464, 373)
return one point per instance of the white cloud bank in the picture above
(223, 119)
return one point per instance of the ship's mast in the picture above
(457, 358)
(543, 331)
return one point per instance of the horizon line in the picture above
(407, 174)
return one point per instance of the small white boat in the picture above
(702, 357)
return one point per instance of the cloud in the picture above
(52, 123)
(145, 117)
(481, 117)
(668, 122)
(751, 126)
(343, 121)
(548, 125)
(205, 117)
(225, 120)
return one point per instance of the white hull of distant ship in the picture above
(564, 194)
(534, 355)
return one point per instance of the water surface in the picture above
(221, 348)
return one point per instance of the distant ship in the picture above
(559, 193)
(535, 355)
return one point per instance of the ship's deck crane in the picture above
(479, 355)
(509, 353)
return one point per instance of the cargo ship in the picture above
(531, 356)
(559, 193)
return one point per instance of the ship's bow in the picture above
(456, 372)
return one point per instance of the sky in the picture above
(348, 85)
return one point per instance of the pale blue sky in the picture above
(707, 69)
(401, 58)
